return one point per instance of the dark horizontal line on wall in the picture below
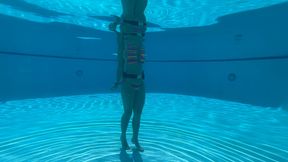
(171, 61)
(54, 56)
(227, 60)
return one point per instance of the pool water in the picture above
(161, 14)
(174, 128)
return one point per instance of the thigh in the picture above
(128, 96)
(139, 100)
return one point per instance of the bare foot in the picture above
(124, 143)
(138, 147)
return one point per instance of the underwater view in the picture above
(143, 80)
(174, 128)
(161, 13)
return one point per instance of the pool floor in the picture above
(173, 128)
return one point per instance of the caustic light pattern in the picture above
(160, 13)
(174, 128)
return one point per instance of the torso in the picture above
(134, 10)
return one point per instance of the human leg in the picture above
(137, 112)
(127, 99)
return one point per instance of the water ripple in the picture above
(89, 130)
(164, 13)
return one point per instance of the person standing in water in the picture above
(130, 74)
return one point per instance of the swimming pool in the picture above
(62, 48)
(174, 128)
(161, 13)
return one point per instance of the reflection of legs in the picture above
(127, 99)
(137, 109)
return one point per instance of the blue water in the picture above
(161, 14)
(174, 128)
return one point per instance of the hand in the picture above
(115, 86)
(112, 26)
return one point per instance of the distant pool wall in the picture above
(244, 58)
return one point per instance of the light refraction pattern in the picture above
(174, 128)
(161, 13)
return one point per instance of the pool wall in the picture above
(244, 58)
